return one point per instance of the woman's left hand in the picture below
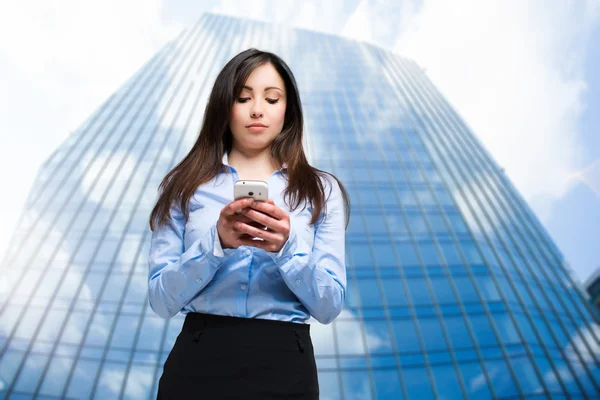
(274, 218)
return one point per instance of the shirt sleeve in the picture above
(317, 276)
(177, 275)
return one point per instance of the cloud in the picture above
(62, 60)
(514, 71)
(590, 175)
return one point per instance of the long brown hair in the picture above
(204, 160)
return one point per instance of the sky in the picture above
(522, 74)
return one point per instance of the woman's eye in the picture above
(245, 99)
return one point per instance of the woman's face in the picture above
(261, 102)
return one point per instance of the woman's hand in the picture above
(229, 235)
(273, 218)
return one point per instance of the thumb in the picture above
(271, 201)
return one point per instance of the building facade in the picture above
(455, 290)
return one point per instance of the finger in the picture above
(231, 208)
(255, 232)
(269, 208)
(243, 218)
(263, 219)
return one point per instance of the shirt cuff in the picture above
(197, 274)
(218, 250)
(292, 246)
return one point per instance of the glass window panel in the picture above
(387, 196)
(111, 378)
(407, 254)
(433, 335)
(450, 253)
(547, 372)
(394, 292)
(55, 377)
(329, 387)
(484, 332)
(387, 385)
(471, 252)
(442, 290)
(81, 383)
(446, 381)
(443, 197)
(417, 224)
(90, 290)
(139, 382)
(31, 373)
(378, 337)
(99, 330)
(425, 197)
(396, 224)
(475, 381)
(375, 224)
(501, 378)
(356, 226)
(407, 199)
(419, 386)
(352, 296)
(370, 295)
(124, 331)
(457, 223)
(357, 384)
(419, 291)
(457, 330)
(115, 286)
(149, 339)
(361, 255)
(429, 253)
(487, 287)
(507, 291)
(54, 321)
(361, 174)
(384, 255)
(506, 328)
(528, 380)
(406, 336)
(368, 197)
(349, 337)
(437, 224)
(465, 289)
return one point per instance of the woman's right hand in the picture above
(228, 234)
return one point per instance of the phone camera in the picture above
(250, 193)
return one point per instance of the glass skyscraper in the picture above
(455, 290)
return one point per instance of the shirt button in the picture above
(199, 280)
(248, 252)
(297, 280)
(243, 287)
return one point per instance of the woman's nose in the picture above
(256, 110)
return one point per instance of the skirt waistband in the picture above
(195, 321)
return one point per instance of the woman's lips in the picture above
(257, 128)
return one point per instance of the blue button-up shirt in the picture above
(189, 271)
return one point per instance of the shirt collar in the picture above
(226, 162)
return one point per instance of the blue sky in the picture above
(522, 74)
(574, 219)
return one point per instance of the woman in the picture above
(248, 281)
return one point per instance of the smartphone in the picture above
(258, 190)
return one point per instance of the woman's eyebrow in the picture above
(266, 89)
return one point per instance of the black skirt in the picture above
(218, 357)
